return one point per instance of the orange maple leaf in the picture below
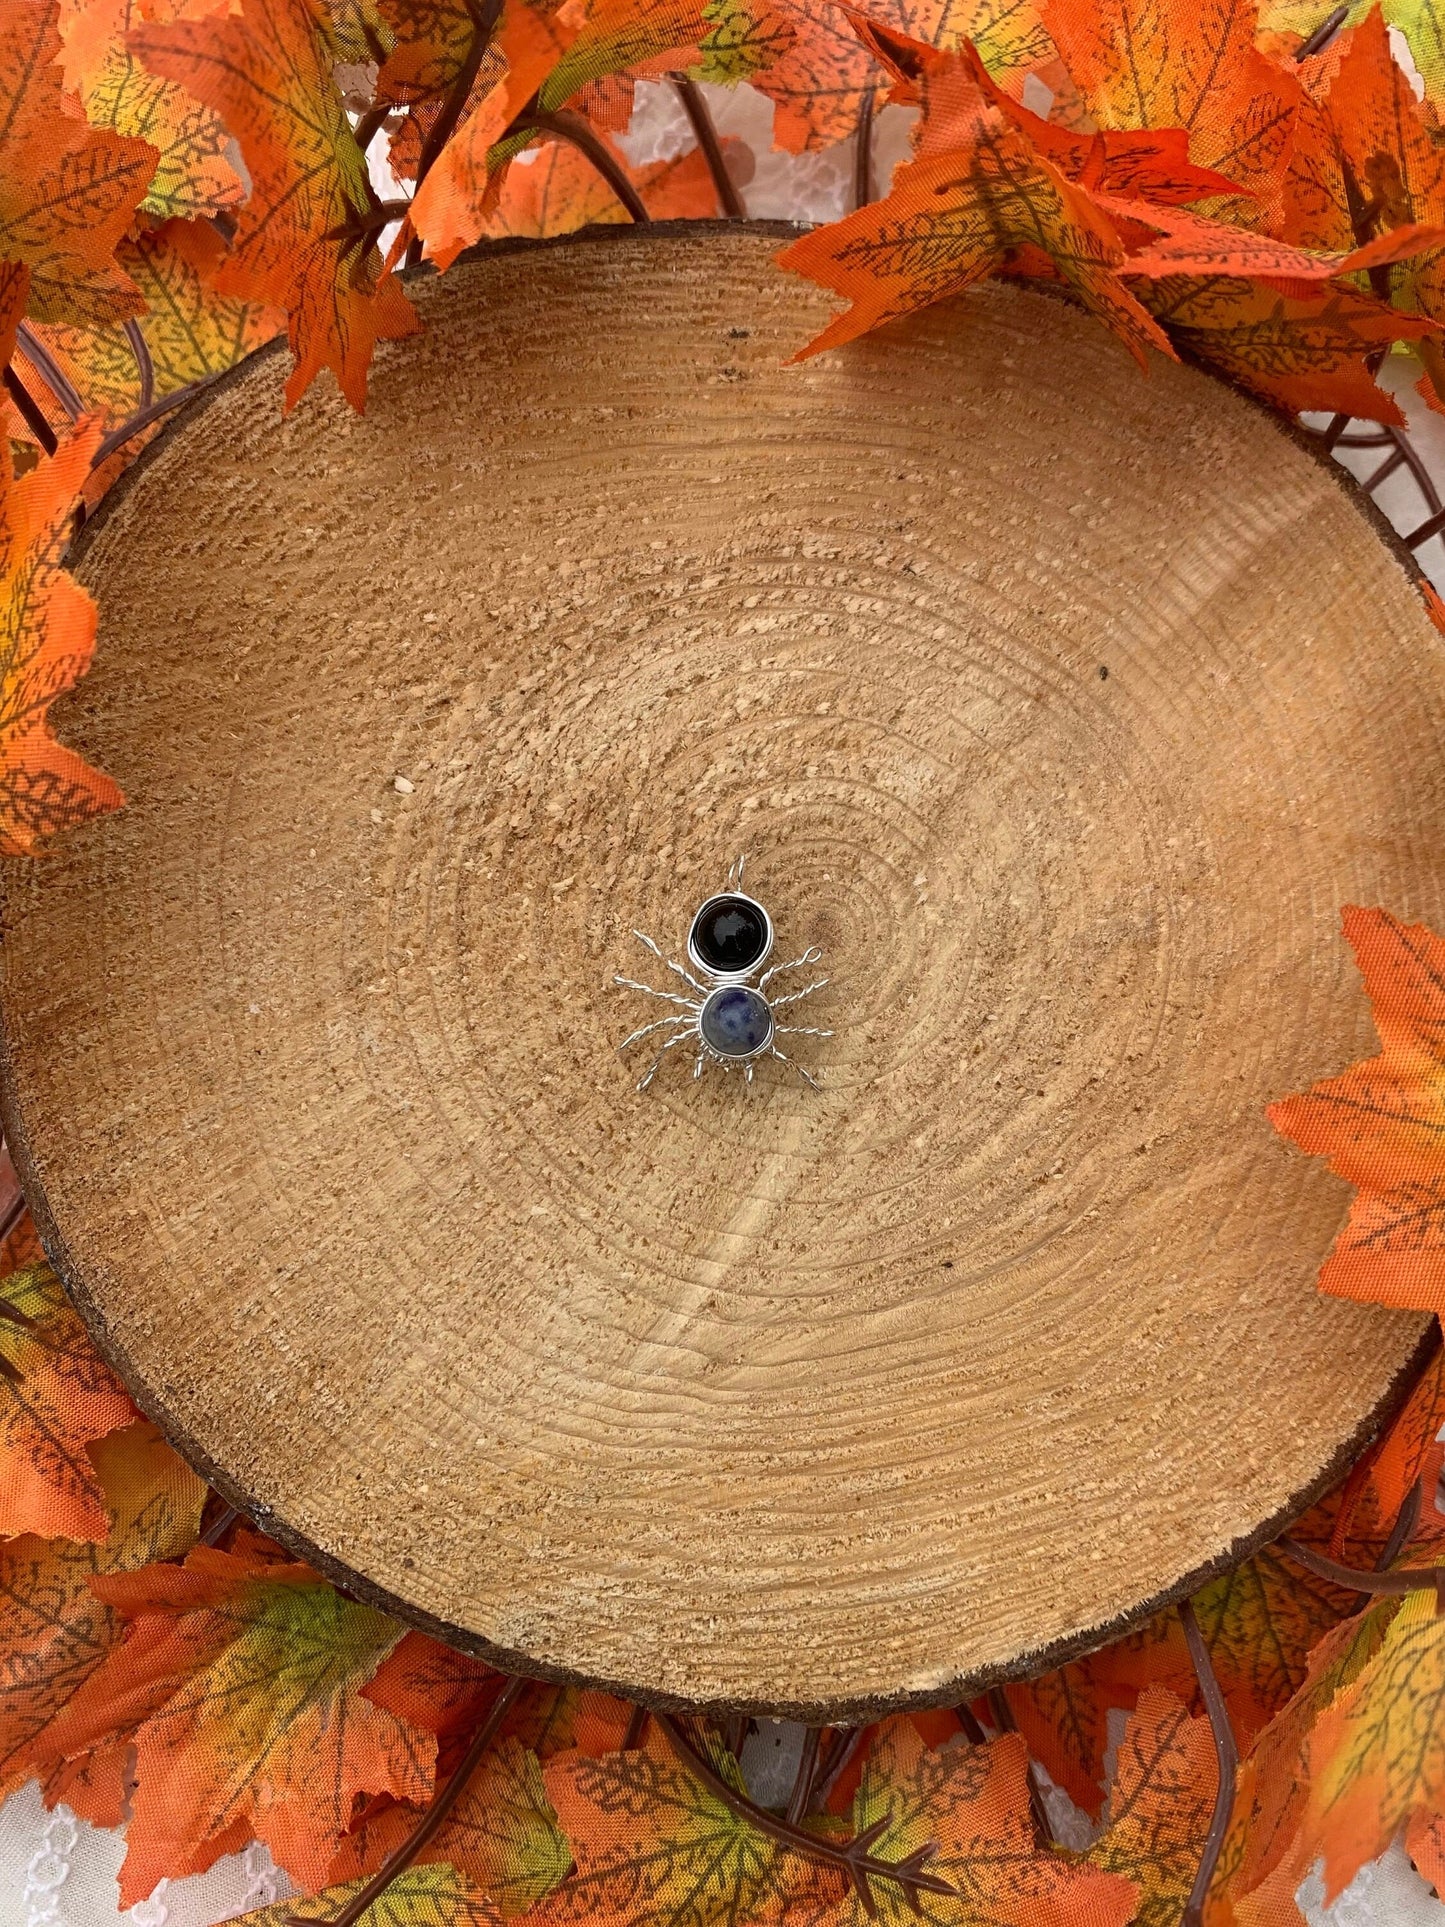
(1392, 164)
(561, 191)
(433, 40)
(54, 1631)
(821, 72)
(1264, 1851)
(238, 1684)
(452, 204)
(190, 330)
(1063, 1716)
(425, 1896)
(1160, 1805)
(972, 1803)
(67, 191)
(501, 1833)
(654, 1847)
(56, 1395)
(1381, 1125)
(1297, 352)
(46, 642)
(978, 193)
(1410, 1453)
(306, 239)
(561, 1719)
(1193, 64)
(1376, 1756)
(193, 175)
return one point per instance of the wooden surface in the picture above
(796, 1401)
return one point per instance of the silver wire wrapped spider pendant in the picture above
(730, 1020)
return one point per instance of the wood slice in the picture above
(1062, 707)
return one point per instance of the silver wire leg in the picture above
(631, 983)
(646, 1030)
(811, 955)
(681, 1038)
(797, 996)
(797, 1067)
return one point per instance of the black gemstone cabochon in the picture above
(729, 933)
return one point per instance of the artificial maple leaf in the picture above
(359, 31)
(193, 176)
(1423, 24)
(1296, 352)
(1160, 1806)
(54, 1631)
(1381, 1124)
(191, 332)
(1185, 242)
(972, 1804)
(820, 77)
(626, 36)
(955, 215)
(1064, 1719)
(429, 1896)
(653, 1845)
(1273, 1785)
(431, 1686)
(562, 1719)
(1315, 207)
(1376, 1757)
(1193, 64)
(562, 191)
(1420, 21)
(433, 40)
(501, 1833)
(1260, 1621)
(1393, 165)
(67, 191)
(238, 1682)
(56, 1395)
(1410, 1454)
(744, 38)
(1425, 1844)
(306, 238)
(47, 637)
(451, 206)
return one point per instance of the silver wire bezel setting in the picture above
(700, 963)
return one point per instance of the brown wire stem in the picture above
(1355, 1579)
(1323, 34)
(396, 1863)
(694, 105)
(216, 1531)
(863, 149)
(1004, 1722)
(851, 1856)
(636, 1727)
(1226, 1754)
(31, 412)
(144, 366)
(842, 1750)
(573, 129)
(371, 123)
(50, 371)
(806, 1774)
(143, 417)
(484, 24)
(1403, 1530)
